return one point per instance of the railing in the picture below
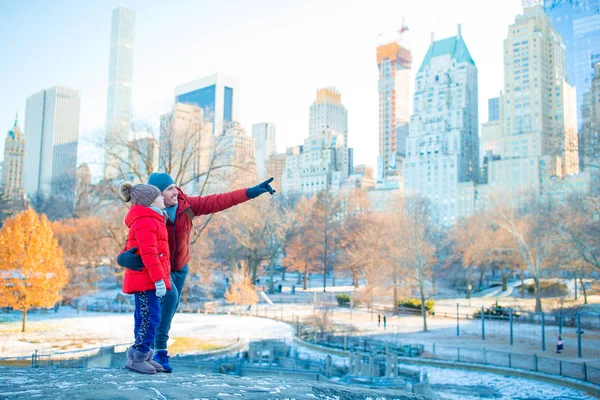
(581, 371)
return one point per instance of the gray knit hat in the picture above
(138, 194)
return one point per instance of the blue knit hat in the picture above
(161, 180)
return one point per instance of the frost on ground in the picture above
(69, 330)
(70, 384)
(455, 384)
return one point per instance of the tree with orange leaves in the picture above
(241, 290)
(32, 266)
(86, 247)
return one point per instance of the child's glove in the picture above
(161, 288)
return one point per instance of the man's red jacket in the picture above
(147, 232)
(188, 208)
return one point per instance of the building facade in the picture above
(265, 140)
(394, 63)
(51, 134)
(14, 163)
(443, 141)
(535, 149)
(218, 97)
(591, 131)
(234, 157)
(120, 78)
(494, 109)
(322, 163)
(578, 23)
(275, 168)
(144, 156)
(185, 146)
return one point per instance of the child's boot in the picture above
(136, 361)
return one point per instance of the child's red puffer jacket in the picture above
(147, 232)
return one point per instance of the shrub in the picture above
(549, 288)
(343, 299)
(415, 304)
(495, 311)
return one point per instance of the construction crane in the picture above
(403, 28)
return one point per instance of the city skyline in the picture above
(348, 65)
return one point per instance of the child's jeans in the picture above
(147, 318)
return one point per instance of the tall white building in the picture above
(185, 144)
(217, 95)
(51, 134)
(394, 63)
(322, 163)
(120, 77)
(443, 142)
(536, 149)
(234, 158)
(266, 145)
(144, 157)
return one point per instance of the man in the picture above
(181, 209)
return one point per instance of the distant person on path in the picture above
(379, 320)
(384, 321)
(559, 345)
(181, 209)
(148, 234)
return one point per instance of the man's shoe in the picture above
(157, 366)
(162, 357)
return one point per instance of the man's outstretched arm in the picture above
(218, 202)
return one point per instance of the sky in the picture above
(281, 51)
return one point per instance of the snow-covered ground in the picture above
(69, 330)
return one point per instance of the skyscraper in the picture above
(591, 130)
(120, 76)
(266, 145)
(443, 141)
(217, 95)
(51, 134)
(275, 169)
(234, 157)
(144, 158)
(494, 109)
(13, 167)
(539, 115)
(185, 144)
(537, 145)
(328, 112)
(578, 23)
(322, 162)
(394, 62)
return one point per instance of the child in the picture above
(148, 234)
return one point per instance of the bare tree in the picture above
(418, 241)
(301, 250)
(535, 231)
(578, 221)
(326, 220)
